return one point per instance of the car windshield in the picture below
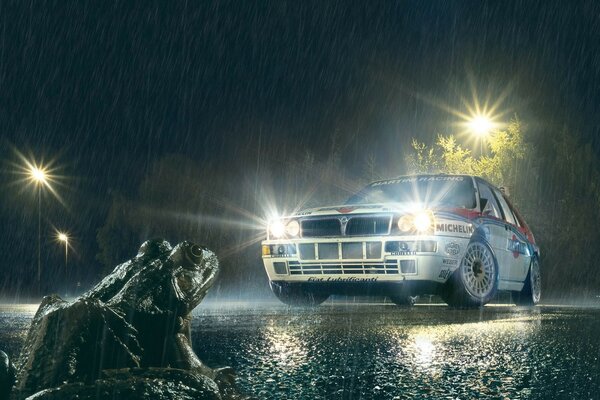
(446, 191)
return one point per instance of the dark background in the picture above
(196, 120)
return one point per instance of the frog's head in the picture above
(162, 279)
(193, 271)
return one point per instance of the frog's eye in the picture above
(195, 253)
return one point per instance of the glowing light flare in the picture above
(481, 125)
(423, 221)
(62, 237)
(38, 175)
(277, 229)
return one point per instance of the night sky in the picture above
(121, 96)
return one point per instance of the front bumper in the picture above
(363, 261)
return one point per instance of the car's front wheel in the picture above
(293, 295)
(475, 282)
(532, 289)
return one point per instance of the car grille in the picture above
(358, 225)
(362, 268)
(346, 251)
(321, 227)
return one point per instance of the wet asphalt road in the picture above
(340, 351)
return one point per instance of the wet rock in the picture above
(7, 375)
(152, 383)
(136, 322)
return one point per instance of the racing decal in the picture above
(452, 248)
(455, 228)
(451, 262)
(341, 279)
(517, 247)
(445, 273)
(419, 179)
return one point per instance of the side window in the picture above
(491, 208)
(508, 215)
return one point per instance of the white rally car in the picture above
(453, 235)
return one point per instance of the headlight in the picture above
(292, 228)
(277, 229)
(405, 223)
(421, 222)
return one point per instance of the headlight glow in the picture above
(277, 229)
(423, 221)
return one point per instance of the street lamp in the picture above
(480, 125)
(63, 237)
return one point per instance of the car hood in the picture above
(345, 209)
(357, 209)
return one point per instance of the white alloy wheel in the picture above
(478, 271)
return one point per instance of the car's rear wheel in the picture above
(293, 295)
(532, 289)
(475, 282)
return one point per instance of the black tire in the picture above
(293, 295)
(532, 289)
(475, 282)
(404, 300)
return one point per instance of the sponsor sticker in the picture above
(452, 248)
(342, 279)
(444, 273)
(451, 262)
(455, 228)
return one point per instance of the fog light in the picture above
(280, 268)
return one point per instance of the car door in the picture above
(518, 257)
(494, 228)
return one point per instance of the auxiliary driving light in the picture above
(292, 228)
(405, 223)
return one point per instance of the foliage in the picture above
(504, 149)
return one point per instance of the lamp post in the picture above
(38, 176)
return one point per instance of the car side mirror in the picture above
(483, 202)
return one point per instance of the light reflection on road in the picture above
(384, 352)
